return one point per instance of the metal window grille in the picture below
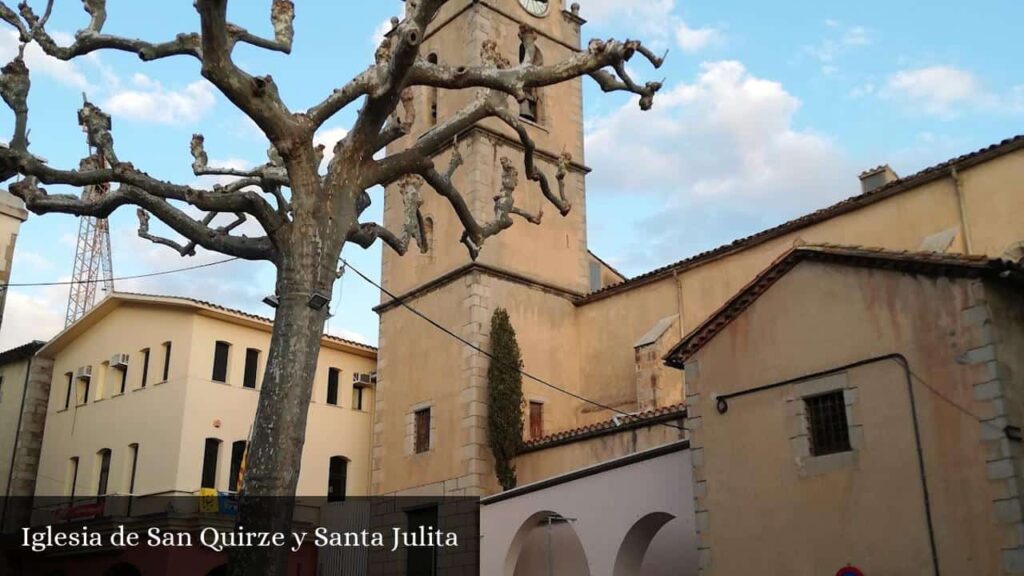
(422, 430)
(827, 424)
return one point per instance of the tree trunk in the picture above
(311, 249)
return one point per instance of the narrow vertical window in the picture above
(167, 362)
(432, 94)
(72, 477)
(71, 385)
(357, 397)
(422, 430)
(337, 479)
(333, 375)
(252, 363)
(220, 362)
(101, 380)
(237, 460)
(1, 388)
(133, 466)
(145, 368)
(210, 453)
(536, 419)
(421, 560)
(104, 475)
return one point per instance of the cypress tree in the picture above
(504, 398)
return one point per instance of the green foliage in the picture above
(504, 398)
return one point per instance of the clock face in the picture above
(535, 7)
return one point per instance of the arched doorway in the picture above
(546, 544)
(650, 548)
(123, 569)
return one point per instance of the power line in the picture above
(519, 369)
(136, 277)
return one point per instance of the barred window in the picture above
(827, 424)
(422, 429)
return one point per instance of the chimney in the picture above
(876, 178)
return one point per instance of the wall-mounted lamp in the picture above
(272, 301)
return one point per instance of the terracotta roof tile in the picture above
(634, 420)
(935, 263)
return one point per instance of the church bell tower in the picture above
(430, 417)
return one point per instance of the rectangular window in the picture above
(421, 560)
(337, 479)
(167, 362)
(422, 430)
(1, 388)
(237, 456)
(357, 397)
(827, 424)
(333, 375)
(133, 466)
(210, 453)
(101, 486)
(72, 476)
(124, 379)
(220, 362)
(252, 363)
(536, 419)
(82, 393)
(145, 368)
(71, 386)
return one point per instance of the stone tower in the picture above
(430, 422)
(12, 214)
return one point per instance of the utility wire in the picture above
(519, 369)
(137, 276)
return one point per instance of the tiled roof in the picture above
(234, 311)
(20, 352)
(903, 184)
(934, 263)
(608, 426)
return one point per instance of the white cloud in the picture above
(937, 90)
(149, 101)
(840, 40)
(724, 145)
(33, 314)
(38, 62)
(655, 18)
(328, 137)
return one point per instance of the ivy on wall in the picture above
(504, 398)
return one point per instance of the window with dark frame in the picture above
(237, 455)
(421, 560)
(71, 386)
(357, 397)
(1, 388)
(74, 477)
(134, 448)
(827, 425)
(422, 428)
(337, 479)
(220, 361)
(252, 363)
(333, 376)
(536, 419)
(167, 361)
(210, 452)
(101, 487)
(145, 368)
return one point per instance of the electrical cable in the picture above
(519, 369)
(135, 277)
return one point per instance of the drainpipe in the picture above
(958, 187)
(14, 451)
(723, 407)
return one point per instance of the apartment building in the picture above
(155, 395)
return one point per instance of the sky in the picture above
(769, 111)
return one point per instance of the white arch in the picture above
(634, 546)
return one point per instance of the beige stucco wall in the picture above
(11, 392)
(171, 420)
(756, 509)
(993, 194)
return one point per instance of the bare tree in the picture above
(306, 217)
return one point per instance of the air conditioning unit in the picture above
(119, 361)
(84, 373)
(360, 379)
